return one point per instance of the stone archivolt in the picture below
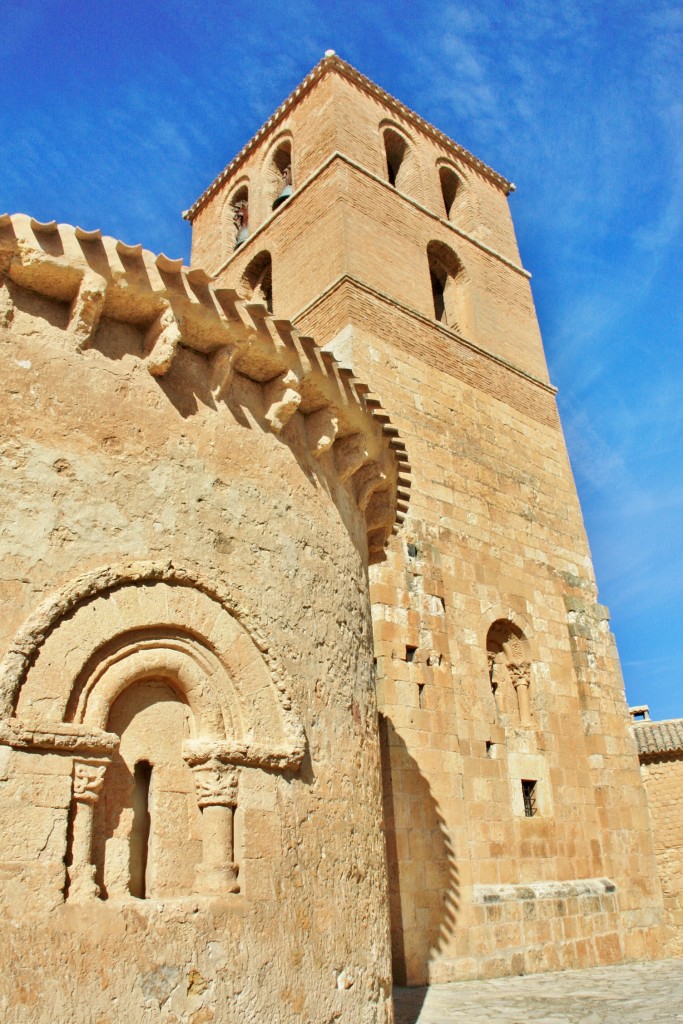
(105, 629)
(170, 306)
(155, 626)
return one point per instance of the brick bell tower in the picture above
(516, 825)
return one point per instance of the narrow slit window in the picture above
(140, 831)
(410, 653)
(529, 796)
(420, 694)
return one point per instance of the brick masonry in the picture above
(493, 541)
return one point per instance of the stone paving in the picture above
(641, 993)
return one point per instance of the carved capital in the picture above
(216, 784)
(88, 779)
(519, 674)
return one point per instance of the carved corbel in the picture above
(222, 371)
(379, 511)
(161, 341)
(350, 453)
(366, 481)
(281, 400)
(86, 310)
(321, 430)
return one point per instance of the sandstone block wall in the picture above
(190, 807)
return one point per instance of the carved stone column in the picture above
(88, 780)
(521, 677)
(216, 785)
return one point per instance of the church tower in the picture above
(516, 826)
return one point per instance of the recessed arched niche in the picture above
(400, 161)
(509, 665)
(279, 175)
(257, 280)
(236, 218)
(166, 698)
(450, 288)
(147, 829)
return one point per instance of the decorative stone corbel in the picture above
(88, 780)
(365, 482)
(86, 310)
(350, 453)
(379, 511)
(281, 399)
(216, 786)
(222, 371)
(161, 341)
(321, 430)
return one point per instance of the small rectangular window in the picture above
(529, 795)
(410, 653)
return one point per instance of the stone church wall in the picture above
(190, 810)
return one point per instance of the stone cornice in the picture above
(345, 427)
(334, 63)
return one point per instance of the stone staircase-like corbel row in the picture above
(100, 279)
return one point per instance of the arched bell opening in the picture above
(448, 282)
(257, 281)
(450, 188)
(397, 155)
(281, 182)
(239, 208)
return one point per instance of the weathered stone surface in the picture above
(190, 767)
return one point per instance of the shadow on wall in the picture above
(424, 882)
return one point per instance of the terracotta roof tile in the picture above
(659, 737)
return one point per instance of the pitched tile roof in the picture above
(659, 737)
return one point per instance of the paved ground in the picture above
(643, 993)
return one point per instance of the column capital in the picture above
(88, 778)
(519, 673)
(216, 784)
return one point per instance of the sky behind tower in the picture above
(117, 115)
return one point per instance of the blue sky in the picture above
(117, 115)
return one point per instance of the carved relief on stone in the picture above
(88, 780)
(216, 784)
(519, 673)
